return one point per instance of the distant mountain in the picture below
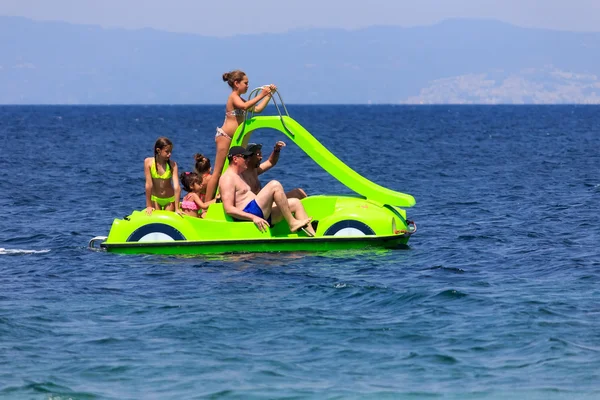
(456, 61)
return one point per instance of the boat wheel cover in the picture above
(155, 233)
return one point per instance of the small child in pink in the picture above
(193, 203)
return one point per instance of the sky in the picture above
(228, 17)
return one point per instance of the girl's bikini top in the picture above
(166, 175)
(236, 112)
(188, 204)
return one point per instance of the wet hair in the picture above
(188, 179)
(232, 77)
(160, 144)
(202, 164)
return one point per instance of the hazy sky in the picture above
(227, 17)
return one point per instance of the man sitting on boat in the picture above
(242, 204)
(257, 167)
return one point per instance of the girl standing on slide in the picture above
(235, 112)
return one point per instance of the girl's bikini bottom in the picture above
(163, 201)
(221, 132)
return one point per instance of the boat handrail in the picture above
(94, 240)
(257, 90)
(255, 93)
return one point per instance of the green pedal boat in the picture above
(374, 217)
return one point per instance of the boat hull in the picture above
(186, 247)
(340, 222)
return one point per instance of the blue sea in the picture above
(497, 296)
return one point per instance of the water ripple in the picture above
(495, 298)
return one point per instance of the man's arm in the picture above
(227, 190)
(273, 158)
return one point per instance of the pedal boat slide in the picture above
(373, 218)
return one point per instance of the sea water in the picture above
(497, 297)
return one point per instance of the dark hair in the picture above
(202, 165)
(232, 77)
(161, 143)
(188, 179)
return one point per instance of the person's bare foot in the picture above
(302, 223)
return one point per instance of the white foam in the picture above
(21, 251)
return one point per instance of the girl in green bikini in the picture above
(162, 180)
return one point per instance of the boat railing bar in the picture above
(255, 92)
(94, 240)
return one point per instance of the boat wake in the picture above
(4, 251)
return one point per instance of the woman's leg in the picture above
(222, 149)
